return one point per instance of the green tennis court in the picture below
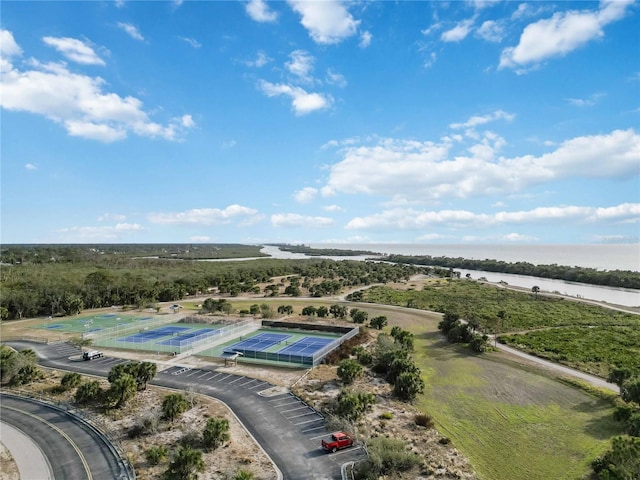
(93, 323)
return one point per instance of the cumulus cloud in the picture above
(301, 65)
(459, 32)
(130, 30)
(302, 101)
(365, 39)
(306, 195)
(260, 61)
(259, 11)
(30, 166)
(75, 50)
(8, 46)
(491, 31)
(79, 103)
(300, 221)
(328, 22)
(590, 101)
(413, 219)
(208, 216)
(333, 208)
(409, 170)
(336, 79)
(561, 34)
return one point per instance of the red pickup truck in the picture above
(336, 441)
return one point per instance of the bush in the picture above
(70, 380)
(89, 392)
(622, 462)
(385, 416)
(215, 433)
(424, 420)
(349, 370)
(156, 454)
(387, 457)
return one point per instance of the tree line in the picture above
(592, 276)
(55, 288)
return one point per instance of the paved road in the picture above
(287, 429)
(73, 449)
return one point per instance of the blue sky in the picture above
(302, 121)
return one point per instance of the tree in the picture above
(88, 392)
(400, 365)
(309, 311)
(349, 370)
(122, 389)
(535, 289)
(479, 343)
(619, 376)
(322, 311)
(254, 309)
(404, 338)
(70, 380)
(378, 322)
(215, 433)
(622, 462)
(145, 371)
(630, 391)
(353, 405)
(408, 385)
(338, 311)
(360, 316)
(285, 309)
(173, 405)
(185, 464)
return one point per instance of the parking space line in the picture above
(285, 404)
(259, 385)
(293, 409)
(204, 374)
(278, 399)
(234, 381)
(301, 415)
(247, 383)
(302, 423)
(216, 375)
(312, 429)
(224, 377)
(193, 372)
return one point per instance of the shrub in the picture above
(622, 462)
(387, 457)
(243, 475)
(215, 433)
(385, 416)
(349, 370)
(89, 392)
(70, 380)
(156, 454)
(173, 405)
(424, 420)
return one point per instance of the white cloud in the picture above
(434, 236)
(75, 50)
(120, 3)
(300, 221)
(412, 219)
(431, 59)
(333, 208)
(306, 195)
(459, 32)
(207, 216)
(199, 239)
(112, 216)
(517, 237)
(261, 60)
(191, 41)
(336, 79)
(586, 102)
(498, 204)
(78, 103)
(365, 39)
(229, 144)
(30, 166)
(8, 46)
(301, 65)
(328, 22)
(302, 102)
(410, 171)
(100, 233)
(491, 31)
(432, 28)
(561, 34)
(131, 30)
(482, 119)
(260, 12)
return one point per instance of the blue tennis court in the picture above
(306, 345)
(195, 335)
(149, 335)
(258, 343)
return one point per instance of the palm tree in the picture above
(144, 374)
(173, 405)
(122, 389)
(216, 432)
(186, 464)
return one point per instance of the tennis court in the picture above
(306, 346)
(87, 324)
(257, 343)
(192, 336)
(149, 335)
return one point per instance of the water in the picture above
(604, 257)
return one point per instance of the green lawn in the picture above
(511, 422)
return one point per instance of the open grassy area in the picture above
(596, 350)
(510, 420)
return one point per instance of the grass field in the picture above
(510, 420)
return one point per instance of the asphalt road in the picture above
(73, 449)
(285, 427)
